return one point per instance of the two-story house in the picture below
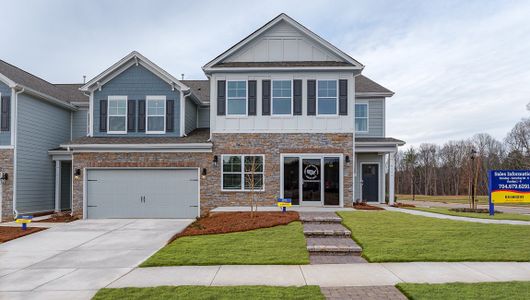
(283, 114)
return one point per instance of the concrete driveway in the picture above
(74, 260)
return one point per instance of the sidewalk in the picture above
(448, 217)
(374, 274)
(503, 208)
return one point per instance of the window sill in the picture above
(236, 117)
(328, 116)
(116, 132)
(281, 116)
(241, 191)
(155, 132)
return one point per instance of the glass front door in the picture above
(311, 183)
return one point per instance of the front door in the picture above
(311, 181)
(370, 182)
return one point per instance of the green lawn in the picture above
(462, 199)
(283, 245)
(467, 291)
(204, 292)
(393, 237)
(446, 211)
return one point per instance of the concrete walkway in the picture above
(448, 217)
(374, 274)
(74, 260)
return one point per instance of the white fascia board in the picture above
(119, 147)
(7, 81)
(374, 94)
(291, 21)
(379, 144)
(267, 69)
(48, 98)
(136, 58)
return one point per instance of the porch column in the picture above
(391, 177)
(57, 185)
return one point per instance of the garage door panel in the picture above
(118, 193)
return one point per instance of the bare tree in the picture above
(253, 179)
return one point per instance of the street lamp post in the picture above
(473, 153)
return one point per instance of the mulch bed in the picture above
(397, 204)
(365, 206)
(11, 233)
(227, 222)
(473, 210)
(59, 219)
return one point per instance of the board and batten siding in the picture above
(41, 126)
(369, 158)
(282, 124)
(79, 123)
(204, 117)
(191, 116)
(376, 117)
(5, 136)
(136, 83)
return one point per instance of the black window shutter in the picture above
(103, 115)
(5, 114)
(311, 97)
(170, 115)
(343, 97)
(131, 115)
(297, 97)
(221, 97)
(266, 97)
(252, 93)
(141, 115)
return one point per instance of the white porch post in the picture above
(391, 177)
(57, 186)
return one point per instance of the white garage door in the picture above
(142, 193)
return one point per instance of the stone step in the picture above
(319, 217)
(320, 259)
(326, 229)
(332, 245)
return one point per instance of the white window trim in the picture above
(153, 98)
(272, 99)
(115, 98)
(367, 118)
(336, 114)
(242, 189)
(245, 115)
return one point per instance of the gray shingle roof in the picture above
(73, 92)
(196, 136)
(364, 84)
(201, 88)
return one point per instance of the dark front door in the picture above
(370, 182)
(291, 179)
(311, 174)
(331, 181)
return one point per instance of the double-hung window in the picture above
(282, 97)
(242, 172)
(117, 115)
(361, 117)
(327, 102)
(156, 114)
(236, 98)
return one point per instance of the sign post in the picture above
(508, 186)
(284, 203)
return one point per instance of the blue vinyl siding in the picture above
(41, 126)
(136, 83)
(79, 123)
(376, 118)
(191, 116)
(204, 117)
(5, 136)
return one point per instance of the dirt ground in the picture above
(227, 222)
(11, 233)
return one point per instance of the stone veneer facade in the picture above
(269, 144)
(6, 165)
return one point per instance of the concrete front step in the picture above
(327, 229)
(332, 245)
(319, 217)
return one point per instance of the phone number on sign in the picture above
(514, 186)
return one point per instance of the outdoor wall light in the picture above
(347, 159)
(203, 173)
(77, 173)
(215, 160)
(3, 176)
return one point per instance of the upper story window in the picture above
(327, 102)
(117, 115)
(236, 98)
(242, 172)
(282, 97)
(156, 114)
(361, 117)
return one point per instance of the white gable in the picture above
(282, 42)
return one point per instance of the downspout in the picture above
(15, 117)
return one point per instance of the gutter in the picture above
(47, 97)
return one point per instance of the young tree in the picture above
(253, 179)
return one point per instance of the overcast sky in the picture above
(457, 67)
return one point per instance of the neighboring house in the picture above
(282, 109)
